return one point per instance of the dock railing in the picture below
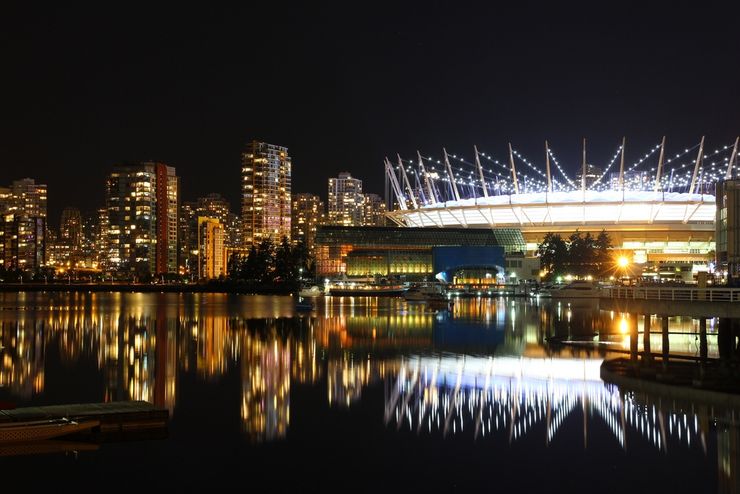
(672, 293)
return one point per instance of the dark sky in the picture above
(343, 86)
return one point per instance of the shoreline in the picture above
(244, 289)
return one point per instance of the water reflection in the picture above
(485, 370)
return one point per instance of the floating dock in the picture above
(118, 419)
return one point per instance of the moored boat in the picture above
(577, 289)
(312, 291)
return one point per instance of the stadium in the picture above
(659, 210)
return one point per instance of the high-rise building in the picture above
(727, 226)
(211, 250)
(266, 188)
(307, 214)
(23, 225)
(373, 210)
(70, 228)
(345, 200)
(142, 203)
(188, 238)
(28, 198)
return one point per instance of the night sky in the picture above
(344, 86)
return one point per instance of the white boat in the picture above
(577, 289)
(424, 294)
(313, 291)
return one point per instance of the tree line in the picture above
(272, 265)
(580, 255)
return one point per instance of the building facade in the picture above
(266, 189)
(308, 213)
(23, 225)
(397, 251)
(142, 204)
(346, 201)
(374, 209)
(211, 250)
(727, 227)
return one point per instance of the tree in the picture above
(603, 257)
(553, 254)
(581, 254)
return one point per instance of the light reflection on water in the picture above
(484, 370)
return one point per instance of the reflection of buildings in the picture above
(265, 406)
(511, 396)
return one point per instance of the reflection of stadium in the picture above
(661, 208)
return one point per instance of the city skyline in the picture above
(391, 80)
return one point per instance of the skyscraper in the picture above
(70, 228)
(142, 218)
(23, 225)
(307, 214)
(211, 251)
(265, 192)
(374, 209)
(345, 200)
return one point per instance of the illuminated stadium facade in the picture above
(659, 210)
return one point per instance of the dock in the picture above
(118, 419)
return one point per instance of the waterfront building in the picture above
(308, 213)
(23, 225)
(211, 250)
(266, 189)
(345, 201)
(27, 198)
(188, 238)
(400, 252)
(659, 211)
(374, 209)
(142, 203)
(727, 227)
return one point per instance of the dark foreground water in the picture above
(370, 394)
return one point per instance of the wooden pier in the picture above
(118, 419)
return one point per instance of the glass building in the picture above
(398, 251)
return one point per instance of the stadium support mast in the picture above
(547, 167)
(427, 180)
(451, 175)
(583, 172)
(513, 170)
(394, 184)
(728, 175)
(696, 166)
(480, 170)
(621, 166)
(406, 181)
(660, 165)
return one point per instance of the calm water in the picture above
(361, 395)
